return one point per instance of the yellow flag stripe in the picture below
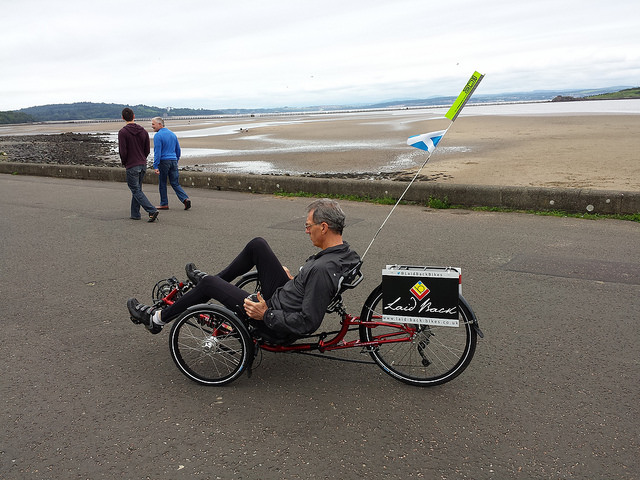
(466, 93)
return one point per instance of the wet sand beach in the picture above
(597, 151)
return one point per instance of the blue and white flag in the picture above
(426, 141)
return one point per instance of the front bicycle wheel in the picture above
(210, 345)
(165, 287)
(422, 355)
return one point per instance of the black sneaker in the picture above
(153, 216)
(140, 313)
(187, 204)
(194, 275)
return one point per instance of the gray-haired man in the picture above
(166, 153)
(287, 306)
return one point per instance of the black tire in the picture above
(432, 355)
(210, 345)
(249, 282)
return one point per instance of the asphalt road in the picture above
(551, 393)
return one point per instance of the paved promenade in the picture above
(552, 392)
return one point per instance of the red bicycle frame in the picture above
(404, 333)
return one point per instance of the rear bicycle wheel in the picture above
(210, 345)
(422, 355)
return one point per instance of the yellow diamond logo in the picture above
(420, 290)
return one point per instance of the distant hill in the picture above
(626, 93)
(15, 117)
(104, 111)
(112, 111)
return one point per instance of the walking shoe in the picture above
(187, 204)
(163, 207)
(143, 314)
(153, 216)
(194, 275)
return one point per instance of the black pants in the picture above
(256, 254)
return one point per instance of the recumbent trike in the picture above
(212, 345)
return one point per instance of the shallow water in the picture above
(557, 108)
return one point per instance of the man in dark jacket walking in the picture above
(134, 147)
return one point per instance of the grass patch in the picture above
(634, 217)
(352, 198)
(437, 203)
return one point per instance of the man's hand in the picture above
(157, 170)
(256, 310)
(286, 270)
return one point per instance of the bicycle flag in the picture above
(427, 141)
(464, 96)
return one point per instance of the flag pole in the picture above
(401, 197)
(452, 114)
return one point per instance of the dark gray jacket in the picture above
(298, 307)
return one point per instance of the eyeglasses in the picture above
(307, 226)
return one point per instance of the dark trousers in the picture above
(256, 254)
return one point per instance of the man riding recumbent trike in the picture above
(425, 335)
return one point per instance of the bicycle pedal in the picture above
(135, 321)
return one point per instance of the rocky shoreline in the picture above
(61, 149)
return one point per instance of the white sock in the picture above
(157, 318)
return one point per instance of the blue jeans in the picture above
(135, 175)
(169, 169)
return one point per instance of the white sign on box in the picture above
(422, 295)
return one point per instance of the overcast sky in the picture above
(250, 53)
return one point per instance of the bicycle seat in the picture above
(260, 331)
(349, 280)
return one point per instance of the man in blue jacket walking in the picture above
(166, 153)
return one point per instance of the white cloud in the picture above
(286, 52)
